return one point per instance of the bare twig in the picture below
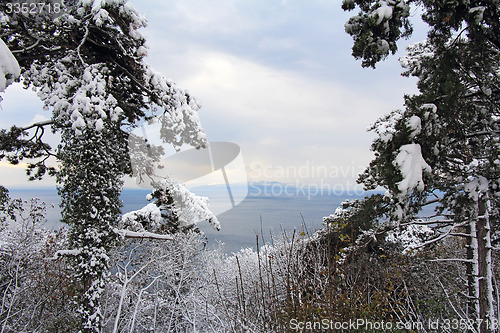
(83, 42)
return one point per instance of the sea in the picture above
(263, 212)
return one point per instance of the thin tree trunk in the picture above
(487, 311)
(474, 308)
(471, 309)
(480, 271)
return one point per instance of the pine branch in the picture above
(441, 237)
(421, 222)
(39, 124)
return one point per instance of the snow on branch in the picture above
(141, 234)
(429, 222)
(453, 259)
(384, 12)
(476, 186)
(150, 213)
(9, 68)
(39, 124)
(410, 237)
(411, 164)
(442, 236)
(189, 207)
(65, 253)
(413, 60)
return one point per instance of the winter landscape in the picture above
(245, 194)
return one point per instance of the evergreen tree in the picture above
(85, 60)
(444, 147)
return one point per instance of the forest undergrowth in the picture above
(300, 280)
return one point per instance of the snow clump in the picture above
(9, 68)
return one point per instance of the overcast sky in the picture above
(275, 77)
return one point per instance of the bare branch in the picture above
(27, 48)
(83, 42)
(39, 124)
(430, 202)
(453, 259)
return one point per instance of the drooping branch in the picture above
(16, 146)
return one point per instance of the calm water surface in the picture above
(257, 214)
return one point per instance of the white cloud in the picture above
(205, 17)
(274, 98)
(15, 176)
(275, 77)
(38, 118)
(281, 117)
(18, 106)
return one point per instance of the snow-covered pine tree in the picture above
(85, 60)
(444, 147)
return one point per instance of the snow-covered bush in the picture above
(36, 290)
(177, 285)
(154, 286)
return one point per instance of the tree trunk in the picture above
(480, 271)
(474, 308)
(471, 309)
(487, 312)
